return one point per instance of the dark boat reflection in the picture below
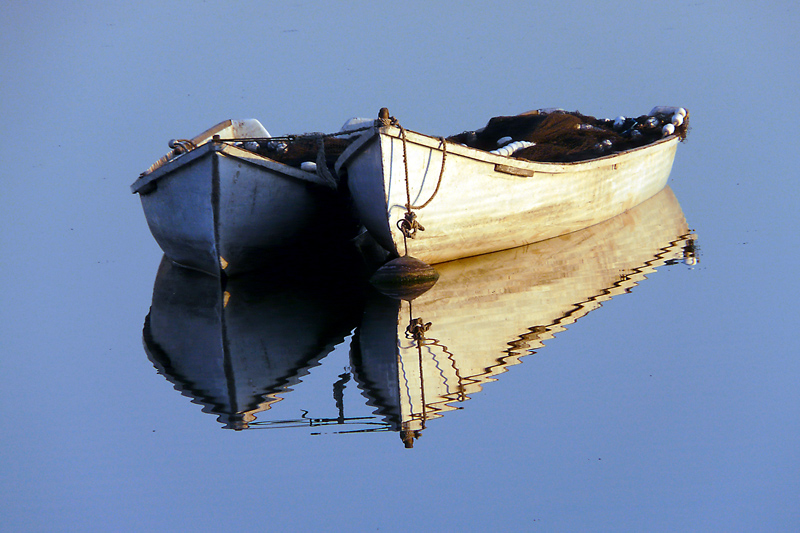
(417, 359)
(237, 347)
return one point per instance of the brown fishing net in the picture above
(293, 151)
(562, 136)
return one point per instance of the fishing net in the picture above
(293, 151)
(562, 136)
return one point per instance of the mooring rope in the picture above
(405, 165)
(405, 168)
(441, 174)
(409, 225)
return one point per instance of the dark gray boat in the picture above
(215, 205)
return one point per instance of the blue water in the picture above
(674, 407)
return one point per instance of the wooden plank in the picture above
(514, 171)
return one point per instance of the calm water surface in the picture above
(640, 375)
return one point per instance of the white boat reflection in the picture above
(415, 360)
(235, 349)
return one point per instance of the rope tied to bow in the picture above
(409, 225)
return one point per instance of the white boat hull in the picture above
(487, 202)
(220, 208)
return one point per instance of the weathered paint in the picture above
(489, 202)
(220, 207)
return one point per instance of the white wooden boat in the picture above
(215, 206)
(416, 360)
(437, 201)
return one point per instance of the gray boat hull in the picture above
(223, 209)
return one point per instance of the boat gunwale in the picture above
(539, 167)
(231, 151)
(355, 147)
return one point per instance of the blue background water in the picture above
(674, 407)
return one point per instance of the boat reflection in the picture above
(417, 359)
(238, 348)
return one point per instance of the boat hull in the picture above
(220, 208)
(482, 202)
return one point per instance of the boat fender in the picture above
(509, 149)
(619, 122)
(404, 278)
(668, 129)
(677, 119)
(502, 141)
(251, 145)
(308, 166)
